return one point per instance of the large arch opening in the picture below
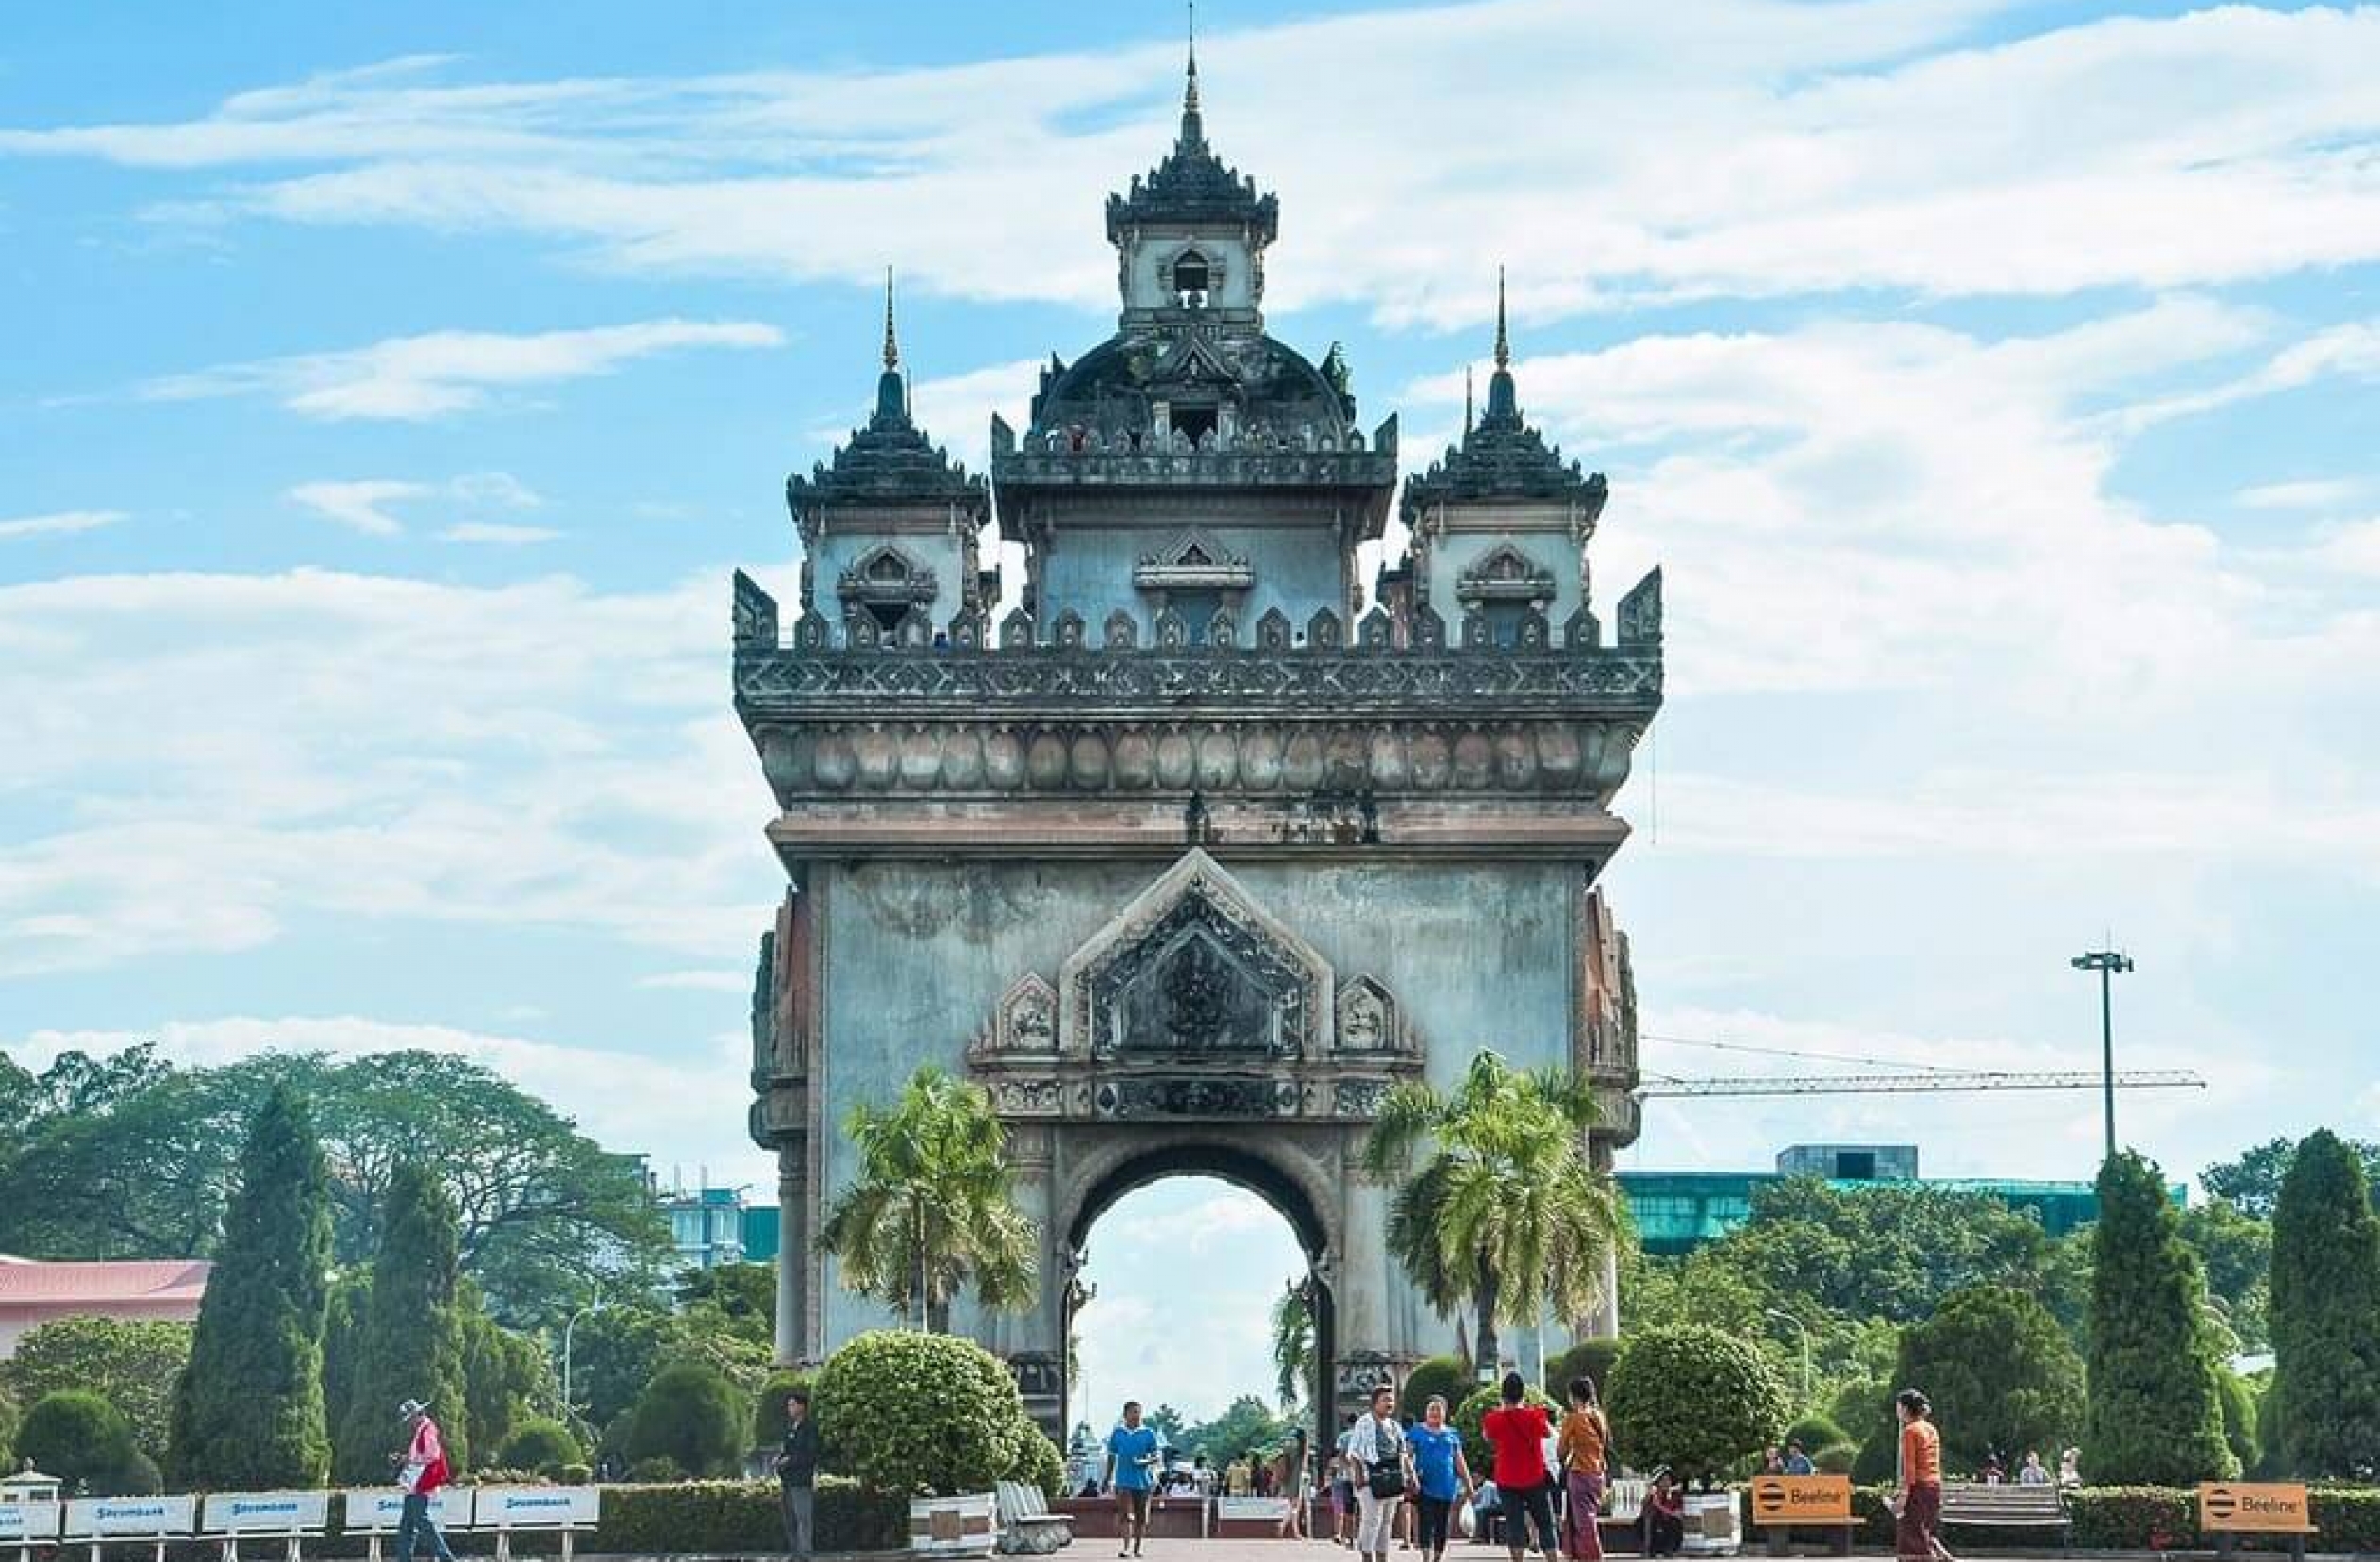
(1186, 1252)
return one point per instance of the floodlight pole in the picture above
(2109, 964)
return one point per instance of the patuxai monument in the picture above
(1193, 842)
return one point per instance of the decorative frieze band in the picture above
(1586, 759)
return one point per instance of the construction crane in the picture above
(1894, 1084)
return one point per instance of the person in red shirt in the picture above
(1919, 1512)
(420, 1470)
(1516, 1432)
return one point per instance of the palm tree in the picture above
(1293, 1343)
(933, 1206)
(1508, 1214)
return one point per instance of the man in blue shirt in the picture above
(1132, 1461)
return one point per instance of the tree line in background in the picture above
(129, 1156)
(344, 1282)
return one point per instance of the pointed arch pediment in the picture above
(1194, 967)
(1192, 561)
(1505, 574)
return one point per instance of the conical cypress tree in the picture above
(409, 1345)
(2324, 1403)
(2155, 1414)
(248, 1412)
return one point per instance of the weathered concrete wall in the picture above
(917, 955)
(1090, 571)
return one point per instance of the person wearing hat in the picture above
(420, 1470)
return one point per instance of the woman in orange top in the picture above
(1585, 1435)
(1920, 1508)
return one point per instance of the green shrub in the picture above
(768, 1407)
(1468, 1415)
(741, 1517)
(82, 1439)
(900, 1410)
(539, 1442)
(2133, 1518)
(1437, 1374)
(568, 1474)
(1836, 1458)
(1694, 1398)
(1040, 1464)
(2348, 1517)
(657, 1470)
(692, 1414)
(132, 1364)
(2239, 1417)
(1592, 1358)
(1814, 1432)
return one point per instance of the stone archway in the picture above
(1284, 1177)
(1197, 1033)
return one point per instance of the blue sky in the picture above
(389, 394)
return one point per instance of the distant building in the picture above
(707, 1225)
(33, 1293)
(761, 1223)
(1678, 1211)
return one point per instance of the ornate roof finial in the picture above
(891, 348)
(1504, 342)
(1193, 128)
(893, 396)
(1466, 398)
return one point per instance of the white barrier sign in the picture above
(267, 1512)
(21, 1523)
(539, 1508)
(374, 1510)
(138, 1517)
(1245, 1508)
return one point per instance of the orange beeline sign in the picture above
(1801, 1499)
(2255, 1507)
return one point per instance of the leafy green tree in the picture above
(410, 1345)
(249, 1413)
(342, 1329)
(2252, 1182)
(82, 1439)
(507, 1377)
(739, 1299)
(540, 1443)
(1295, 1365)
(1694, 1398)
(1507, 1213)
(614, 1353)
(1170, 1425)
(933, 1208)
(127, 1156)
(2325, 1401)
(2239, 1419)
(133, 1364)
(2155, 1416)
(692, 1416)
(2000, 1373)
(1247, 1424)
(11, 1418)
(2236, 1251)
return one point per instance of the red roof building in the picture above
(33, 1292)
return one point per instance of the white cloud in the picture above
(624, 1100)
(1743, 147)
(431, 376)
(2301, 493)
(364, 504)
(228, 754)
(738, 982)
(359, 506)
(58, 523)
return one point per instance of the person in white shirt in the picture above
(1380, 1466)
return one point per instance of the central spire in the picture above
(892, 402)
(1193, 128)
(1504, 339)
(1503, 400)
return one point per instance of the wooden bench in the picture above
(1027, 1527)
(1978, 1505)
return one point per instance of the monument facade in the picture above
(1196, 847)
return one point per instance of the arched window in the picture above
(1190, 276)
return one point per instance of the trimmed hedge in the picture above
(1437, 1374)
(743, 1517)
(2134, 1518)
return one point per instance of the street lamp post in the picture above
(1802, 1329)
(569, 1327)
(2109, 964)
